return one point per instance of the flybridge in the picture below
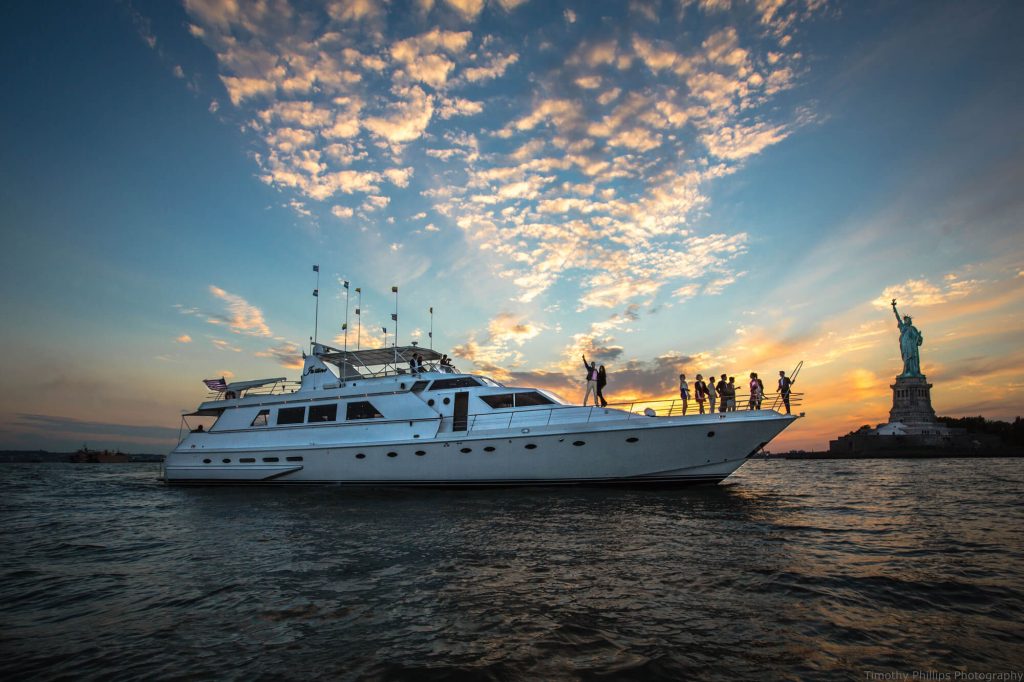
(378, 362)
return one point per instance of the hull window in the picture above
(531, 398)
(459, 382)
(294, 459)
(362, 410)
(271, 459)
(291, 415)
(323, 413)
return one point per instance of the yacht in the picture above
(368, 417)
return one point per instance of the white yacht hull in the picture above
(634, 451)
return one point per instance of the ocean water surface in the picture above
(789, 570)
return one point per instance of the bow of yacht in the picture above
(367, 418)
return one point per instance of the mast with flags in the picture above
(345, 326)
(394, 317)
(359, 317)
(316, 295)
(430, 334)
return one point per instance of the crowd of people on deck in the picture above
(719, 395)
(723, 392)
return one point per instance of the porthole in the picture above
(420, 453)
(402, 385)
(360, 455)
(430, 402)
(711, 434)
(530, 446)
(632, 439)
(466, 450)
(206, 461)
(294, 459)
(247, 460)
(579, 443)
(392, 454)
(446, 401)
(271, 459)
(489, 448)
(226, 461)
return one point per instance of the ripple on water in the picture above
(794, 569)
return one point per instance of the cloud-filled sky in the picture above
(667, 186)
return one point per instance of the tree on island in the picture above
(1009, 433)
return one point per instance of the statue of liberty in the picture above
(910, 340)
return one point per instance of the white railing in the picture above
(638, 409)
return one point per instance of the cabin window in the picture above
(323, 413)
(419, 386)
(531, 398)
(291, 415)
(498, 401)
(261, 418)
(362, 410)
(458, 382)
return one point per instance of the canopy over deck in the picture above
(239, 386)
(374, 357)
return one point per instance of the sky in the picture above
(666, 186)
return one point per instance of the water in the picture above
(793, 569)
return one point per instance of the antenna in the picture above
(430, 334)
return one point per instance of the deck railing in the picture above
(638, 409)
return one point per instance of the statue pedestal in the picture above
(912, 401)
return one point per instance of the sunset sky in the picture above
(677, 186)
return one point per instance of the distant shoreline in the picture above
(922, 453)
(46, 457)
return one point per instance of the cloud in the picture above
(469, 10)
(77, 427)
(184, 338)
(921, 292)
(242, 317)
(738, 142)
(494, 69)
(221, 344)
(285, 353)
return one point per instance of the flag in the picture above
(430, 334)
(346, 285)
(344, 326)
(316, 268)
(394, 316)
(316, 292)
(431, 310)
(385, 330)
(359, 290)
(215, 384)
(357, 311)
(394, 290)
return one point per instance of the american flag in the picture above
(215, 384)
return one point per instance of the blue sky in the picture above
(698, 186)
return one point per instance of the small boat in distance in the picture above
(365, 417)
(86, 456)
